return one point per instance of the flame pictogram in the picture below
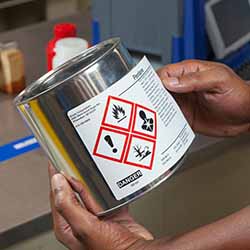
(118, 113)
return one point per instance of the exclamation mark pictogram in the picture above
(108, 139)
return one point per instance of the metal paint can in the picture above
(45, 103)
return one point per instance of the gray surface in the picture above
(144, 26)
(42, 241)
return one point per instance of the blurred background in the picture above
(214, 180)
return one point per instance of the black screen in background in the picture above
(233, 19)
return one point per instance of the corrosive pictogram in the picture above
(127, 134)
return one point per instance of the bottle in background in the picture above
(12, 75)
(61, 30)
(68, 48)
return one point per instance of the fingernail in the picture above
(172, 81)
(57, 182)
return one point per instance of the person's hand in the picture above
(77, 227)
(213, 98)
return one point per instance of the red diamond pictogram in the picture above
(127, 134)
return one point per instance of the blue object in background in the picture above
(193, 44)
(201, 39)
(177, 49)
(17, 148)
(195, 41)
(189, 29)
(96, 35)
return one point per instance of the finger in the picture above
(210, 80)
(62, 229)
(51, 171)
(85, 196)
(81, 221)
(183, 68)
(58, 221)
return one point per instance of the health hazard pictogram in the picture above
(145, 122)
(127, 134)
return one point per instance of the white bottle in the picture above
(68, 48)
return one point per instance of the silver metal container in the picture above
(44, 106)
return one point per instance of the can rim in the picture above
(21, 97)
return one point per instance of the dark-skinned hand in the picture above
(214, 99)
(77, 226)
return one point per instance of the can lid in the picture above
(62, 30)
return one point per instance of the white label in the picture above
(134, 130)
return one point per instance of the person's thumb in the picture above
(78, 217)
(193, 82)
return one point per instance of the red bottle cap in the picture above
(64, 30)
